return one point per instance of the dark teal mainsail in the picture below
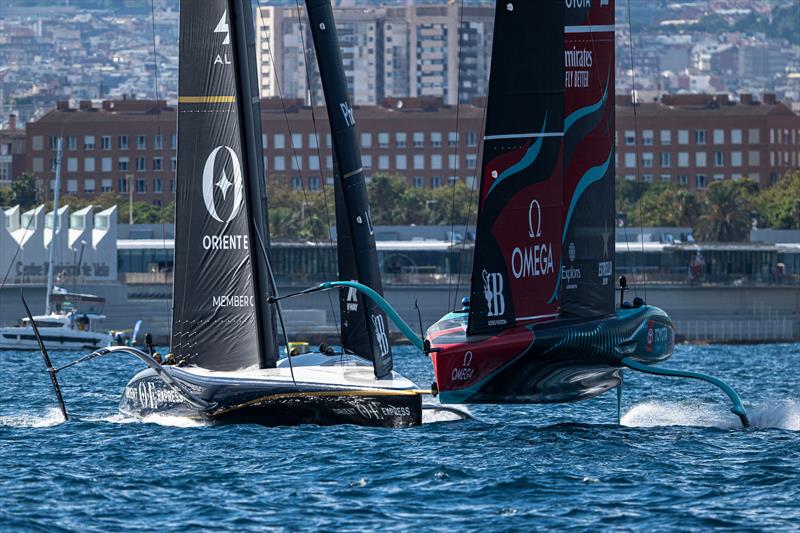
(364, 325)
(220, 317)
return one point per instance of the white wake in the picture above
(778, 414)
(50, 417)
(434, 412)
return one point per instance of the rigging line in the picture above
(475, 182)
(294, 149)
(456, 151)
(596, 68)
(317, 136)
(636, 141)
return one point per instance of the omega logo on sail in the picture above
(537, 259)
(224, 183)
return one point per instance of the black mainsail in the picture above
(517, 248)
(364, 325)
(221, 320)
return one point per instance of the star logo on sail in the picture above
(223, 183)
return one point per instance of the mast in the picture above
(221, 320)
(248, 89)
(52, 250)
(364, 325)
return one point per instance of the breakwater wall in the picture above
(700, 313)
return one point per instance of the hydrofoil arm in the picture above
(737, 409)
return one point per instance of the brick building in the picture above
(132, 143)
(693, 139)
(12, 151)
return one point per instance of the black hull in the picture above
(271, 403)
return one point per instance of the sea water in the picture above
(679, 460)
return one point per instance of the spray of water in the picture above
(50, 417)
(778, 414)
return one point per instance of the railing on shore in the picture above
(738, 330)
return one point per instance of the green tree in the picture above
(665, 204)
(726, 211)
(23, 191)
(779, 206)
(628, 193)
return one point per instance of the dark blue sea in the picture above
(679, 461)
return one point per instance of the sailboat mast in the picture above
(52, 250)
(364, 325)
(255, 182)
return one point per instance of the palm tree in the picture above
(726, 212)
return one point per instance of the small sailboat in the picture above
(224, 365)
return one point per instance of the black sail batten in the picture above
(220, 320)
(517, 248)
(362, 315)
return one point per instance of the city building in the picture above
(12, 151)
(128, 147)
(694, 139)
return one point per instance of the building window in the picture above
(436, 182)
(122, 185)
(173, 163)
(700, 159)
(37, 142)
(141, 185)
(472, 161)
(383, 140)
(157, 187)
(436, 139)
(141, 164)
(683, 136)
(719, 136)
(700, 136)
(753, 135)
(419, 162)
(297, 140)
(719, 177)
(666, 159)
(647, 159)
(630, 137)
(88, 142)
(72, 143)
(72, 164)
(719, 159)
(38, 164)
(158, 164)
(630, 160)
(173, 141)
(313, 141)
(700, 181)
(52, 164)
(141, 142)
(313, 162)
(158, 142)
(88, 164)
(105, 142)
(383, 162)
(366, 161)
(297, 162)
(666, 137)
(683, 179)
(327, 140)
(436, 162)
(666, 177)
(452, 161)
(172, 184)
(54, 142)
(400, 162)
(122, 140)
(452, 138)
(753, 158)
(329, 162)
(683, 159)
(647, 137)
(106, 185)
(72, 186)
(419, 182)
(472, 139)
(297, 183)
(736, 136)
(401, 139)
(736, 159)
(280, 163)
(419, 139)
(313, 183)
(647, 178)
(279, 141)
